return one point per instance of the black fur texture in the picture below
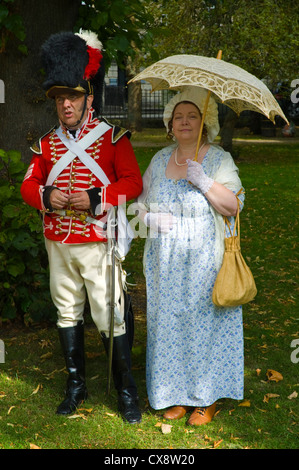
(64, 57)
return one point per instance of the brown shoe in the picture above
(176, 412)
(202, 415)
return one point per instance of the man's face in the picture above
(69, 108)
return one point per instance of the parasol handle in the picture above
(219, 56)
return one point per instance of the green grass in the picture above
(32, 378)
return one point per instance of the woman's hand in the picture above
(197, 176)
(220, 197)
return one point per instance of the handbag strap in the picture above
(237, 218)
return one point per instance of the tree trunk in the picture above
(227, 130)
(134, 100)
(27, 114)
(134, 107)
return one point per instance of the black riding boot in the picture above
(123, 379)
(72, 343)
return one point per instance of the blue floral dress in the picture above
(194, 349)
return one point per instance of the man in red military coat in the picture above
(79, 170)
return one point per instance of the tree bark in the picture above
(134, 100)
(134, 107)
(27, 114)
(227, 130)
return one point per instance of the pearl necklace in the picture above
(176, 156)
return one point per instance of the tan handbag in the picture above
(234, 284)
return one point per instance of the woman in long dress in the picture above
(194, 349)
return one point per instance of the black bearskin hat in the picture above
(74, 61)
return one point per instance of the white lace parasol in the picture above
(228, 83)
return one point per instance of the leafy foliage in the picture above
(11, 24)
(121, 25)
(23, 262)
(260, 35)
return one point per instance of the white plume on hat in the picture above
(197, 96)
(90, 38)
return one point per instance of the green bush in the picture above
(24, 290)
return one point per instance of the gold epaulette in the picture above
(117, 132)
(36, 147)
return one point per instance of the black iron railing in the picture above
(115, 103)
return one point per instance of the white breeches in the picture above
(79, 269)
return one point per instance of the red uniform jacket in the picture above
(114, 154)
